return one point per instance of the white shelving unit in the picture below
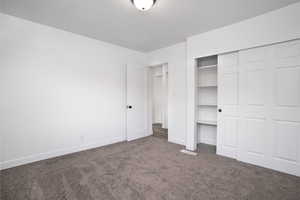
(207, 87)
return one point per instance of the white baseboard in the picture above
(176, 141)
(61, 152)
(138, 135)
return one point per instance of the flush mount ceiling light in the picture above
(143, 5)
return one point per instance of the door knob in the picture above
(129, 107)
(220, 110)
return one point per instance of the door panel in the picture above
(228, 101)
(230, 132)
(285, 107)
(256, 90)
(229, 89)
(255, 97)
(287, 137)
(255, 131)
(137, 99)
(287, 82)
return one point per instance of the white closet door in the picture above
(228, 102)
(285, 107)
(255, 98)
(270, 107)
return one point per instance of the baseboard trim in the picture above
(52, 154)
(176, 141)
(138, 135)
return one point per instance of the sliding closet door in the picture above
(255, 99)
(270, 107)
(285, 107)
(228, 105)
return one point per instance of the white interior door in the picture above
(255, 97)
(136, 102)
(228, 105)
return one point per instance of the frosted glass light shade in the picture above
(143, 5)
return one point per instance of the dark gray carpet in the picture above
(146, 169)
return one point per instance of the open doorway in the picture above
(158, 90)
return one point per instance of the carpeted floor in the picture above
(145, 169)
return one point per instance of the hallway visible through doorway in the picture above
(158, 88)
(159, 131)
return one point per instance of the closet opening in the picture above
(158, 98)
(207, 103)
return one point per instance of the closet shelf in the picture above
(208, 67)
(211, 123)
(213, 105)
(207, 86)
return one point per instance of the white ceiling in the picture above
(118, 22)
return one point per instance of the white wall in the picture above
(276, 26)
(273, 27)
(60, 92)
(175, 56)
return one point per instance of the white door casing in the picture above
(136, 100)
